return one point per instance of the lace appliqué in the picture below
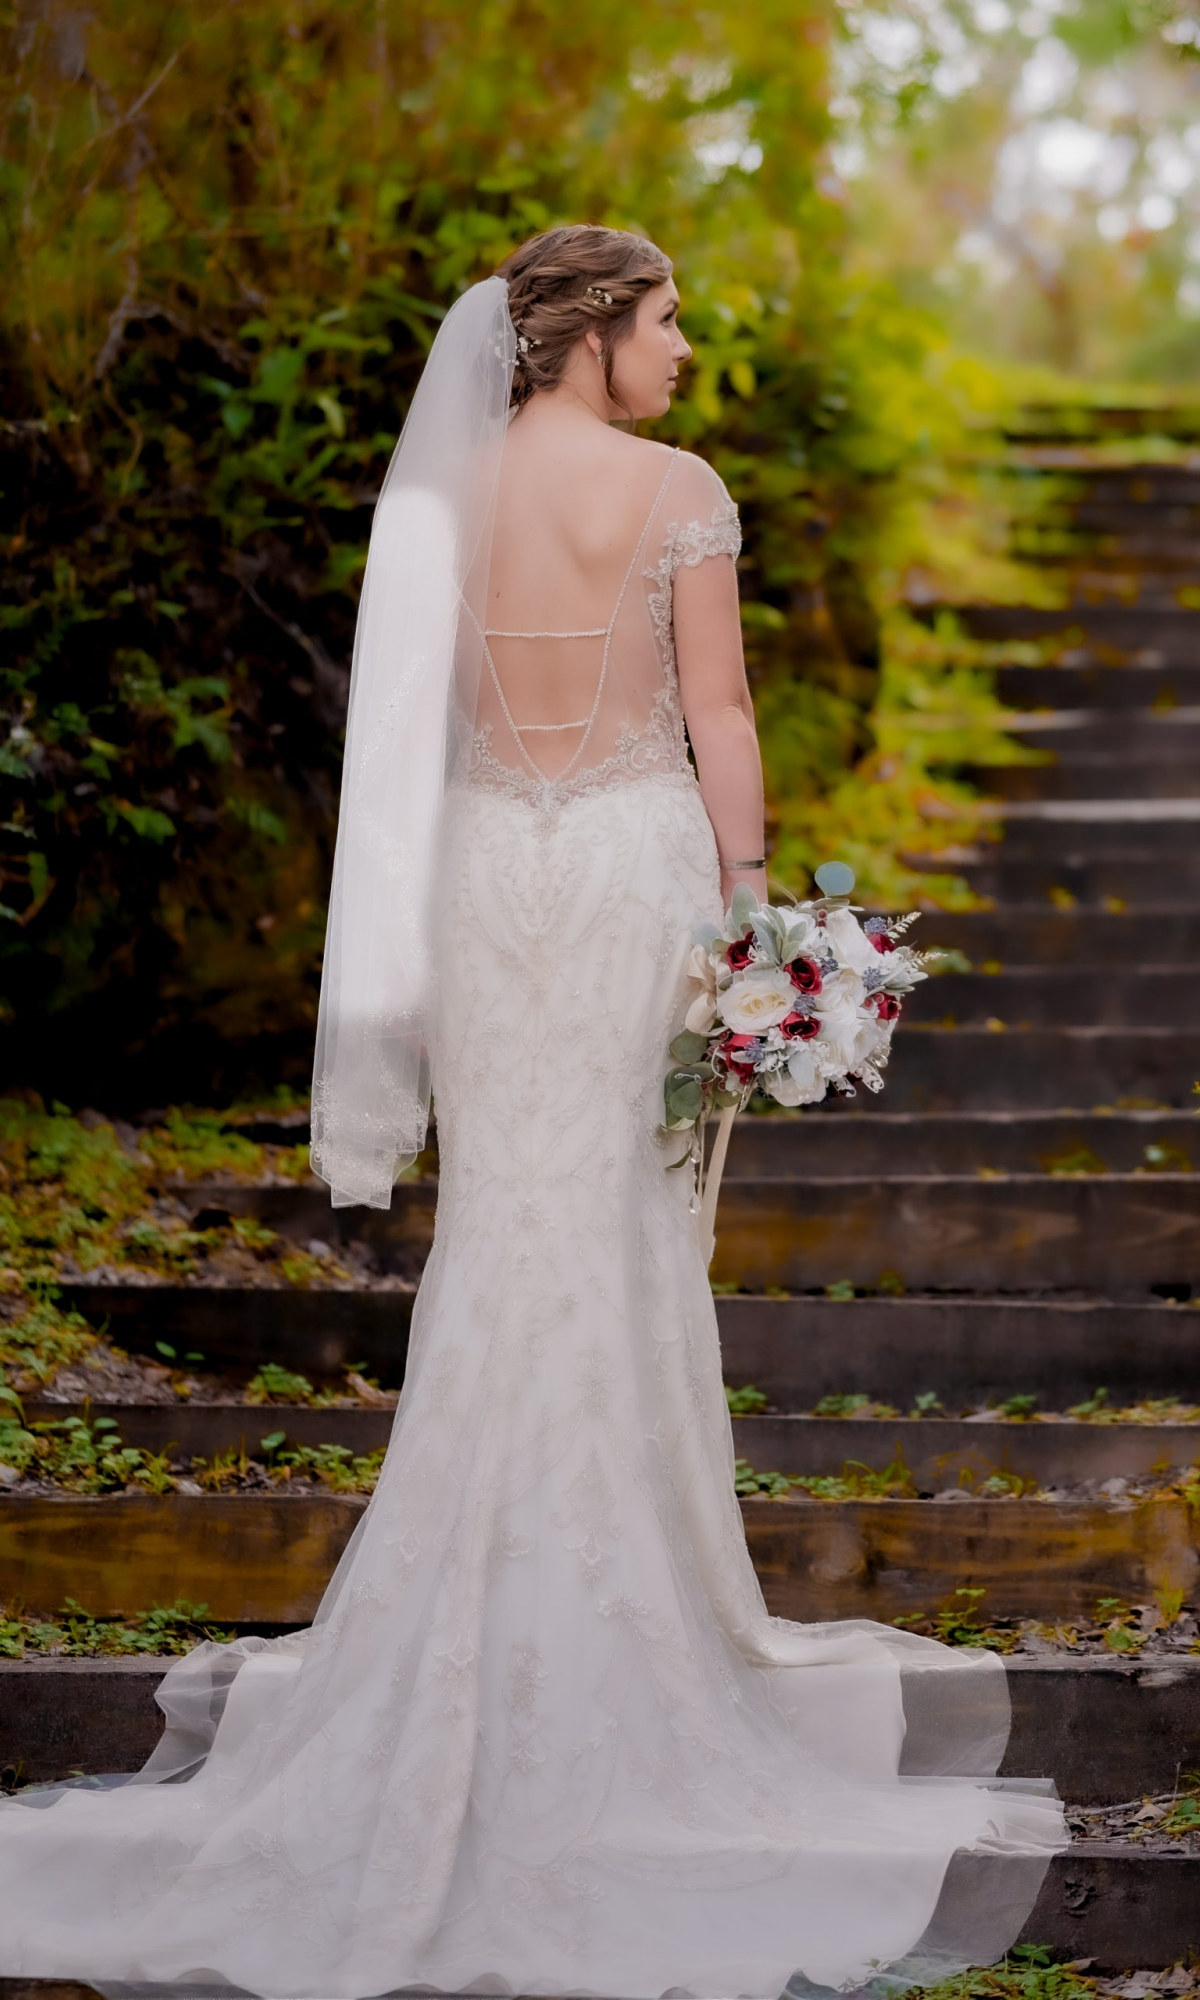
(689, 544)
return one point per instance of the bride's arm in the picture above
(720, 715)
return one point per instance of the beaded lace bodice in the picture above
(626, 714)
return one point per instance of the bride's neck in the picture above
(569, 403)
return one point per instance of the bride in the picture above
(543, 1736)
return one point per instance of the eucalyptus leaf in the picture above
(834, 878)
(689, 1047)
(686, 1099)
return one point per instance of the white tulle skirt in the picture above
(542, 1736)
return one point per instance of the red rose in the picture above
(881, 941)
(887, 1007)
(738, 954)
(733, 1049)
(805, 975)
(800, 1027)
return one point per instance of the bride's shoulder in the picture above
(687, 473)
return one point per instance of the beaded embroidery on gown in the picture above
(542, 1736)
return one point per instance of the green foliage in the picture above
(40, 1341)
(746, 1401)
(1027, 1972)
(854, 1482)
(201, 425)
(275, 1384)
(75, 1197)
(79, 1455)
(76, 1634)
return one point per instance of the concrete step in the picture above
(1097, 685)
(1042, 1069)
(1031, 934)
(1163, 736)
(1104, 1902)
(1127, 996)
(1096, 826)
(1103, 1729)
(796, 1350)
(318, 1333)
(937, 1230)
(1019, 1233)
(1140, 878)
(1091, 775)
(1108, 632)
(1152, 484)
(855, 1140)
(966, 1350)
(266, 1558)
(942, 1452)
(947, 1454)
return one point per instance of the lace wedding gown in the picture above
(542, 1736)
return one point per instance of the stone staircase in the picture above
(929, 1280)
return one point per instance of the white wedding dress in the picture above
(543, 1737)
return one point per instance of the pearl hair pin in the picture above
(599, 296)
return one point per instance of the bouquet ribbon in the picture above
(711, 1185)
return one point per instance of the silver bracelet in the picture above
(760, 863)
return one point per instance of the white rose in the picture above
(849, 941)
(841, 1021)
(701, 1014)
(800, 1082)
(757, 999)
(703, 1009)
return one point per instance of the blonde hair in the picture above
(566, 281)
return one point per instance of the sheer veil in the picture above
(413, 686)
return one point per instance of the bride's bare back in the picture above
(580, 683)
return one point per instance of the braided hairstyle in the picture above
(564, 282)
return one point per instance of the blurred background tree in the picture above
(1031, 175)
(229, 234)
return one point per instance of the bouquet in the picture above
(794, 999)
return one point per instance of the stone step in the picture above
(1018, 1233)
(1105, 1902)
(1151, 485)
(1075, 735)
(1140, 878)
(1126, 996)
(947, 1454)
(1102, 1901)
(1032, 934)
(1042, 1069)
(1095, 685)
(1122, 525)
(966, 1350)
(963, 1231)
(942, 1452)
(266, 1558)
(797, 1350)
(1108, 631)
(318, 1333)
(1103, 1729)
(1090, 775)
(855, 1140)
(1096, 826)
